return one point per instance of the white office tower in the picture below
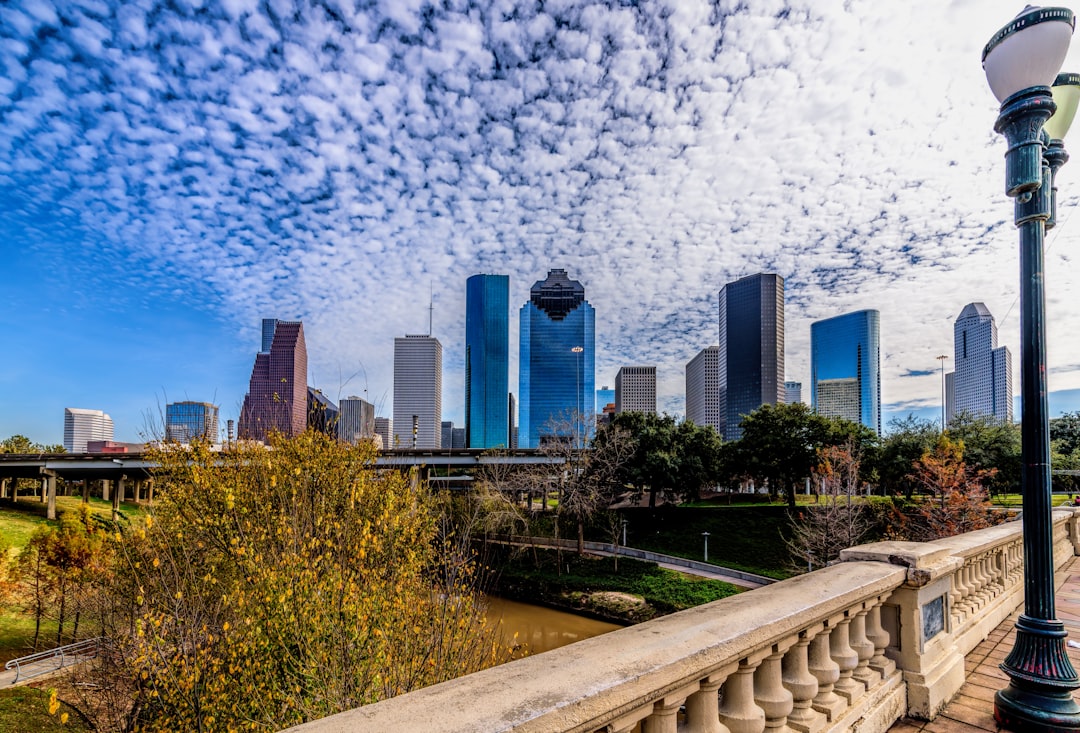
(792, 393)
(417, 392)
(703, 388)
(635, 389)
(82, 426)
(981, 383)
(356, 420)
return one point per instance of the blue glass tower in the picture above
(845, 368)
(557, 365)
(487, 353)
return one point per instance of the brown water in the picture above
(543, 628)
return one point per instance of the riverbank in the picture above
(620, 590)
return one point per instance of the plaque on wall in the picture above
(933, 618)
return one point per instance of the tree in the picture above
(780, 444)
(959, 502)
(838, 522)
(907, 441)
(1065, 432)
(273, 586)
(992, 446)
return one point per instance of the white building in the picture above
(703, 388)
(635, 389)
(981, 383)
(417, 392)
(82, 426)
(839, 398)
(792, 393)
(356, 420)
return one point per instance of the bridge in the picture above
(854, 647)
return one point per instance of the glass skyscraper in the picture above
(981, 384)
(487, 361)
(751, 348)
(557, 361)
(188, 421)
(845, 368)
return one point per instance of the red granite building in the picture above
(277, 395)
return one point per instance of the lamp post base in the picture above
(1039, 696)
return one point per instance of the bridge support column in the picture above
(49, 492)
(117, 497)
(86, 491)
(105, 484)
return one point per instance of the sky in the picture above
(173, 172)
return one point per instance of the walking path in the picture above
(972, 710)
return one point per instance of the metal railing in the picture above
(63, 655)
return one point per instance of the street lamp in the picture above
(706, 536)
(942, 358)
(1021, 62)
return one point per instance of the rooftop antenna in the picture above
(431, 306)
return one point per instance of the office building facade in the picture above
(792, 393)
(557, 362)
(703, 388)
(635, 389)
(277, 398)
(981, 383)
(356, 420)
(604, 396)
(487, 361)
(384, 429)
(188, 421)
(751, 346)
(82, 426)
(322, 412)
(417, 392)
(845, 367)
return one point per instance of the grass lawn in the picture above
(24, 709)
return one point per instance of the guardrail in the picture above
(63, 655)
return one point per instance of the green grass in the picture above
(25, 709)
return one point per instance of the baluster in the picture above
(962, 590)
(703, 707)
(971, 598)
(664, 717)
(847, 686)
(877, 634)
(980, 581)
(772, 697)
(956, 599)
(803, 686)
(738, 711)
(826, 672)
(629, 723)
(864, 648)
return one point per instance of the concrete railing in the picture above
(851, 647)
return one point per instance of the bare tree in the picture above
(839, 521)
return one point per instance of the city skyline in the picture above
(162, 190)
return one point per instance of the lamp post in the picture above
(941, 358)
(706, 536)
(1021, 62)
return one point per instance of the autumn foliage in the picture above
(272, 587)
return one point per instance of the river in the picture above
(541, 628)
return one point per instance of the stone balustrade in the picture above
(851, 647)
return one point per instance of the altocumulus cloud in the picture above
(333, 161)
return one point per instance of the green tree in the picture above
(991, 446)
(907, 440)
(1065, 432)
(274, 586)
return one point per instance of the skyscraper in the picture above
(981, 384)
(792, 393)
(82, 426)
(277, 394)
(322, 413)
(557, 361)
(356, 420)
(188, 421)
(604, 396)
(635, 389)
(751, 344)
(384, 428)
(487, 361)
(703, 388)
(845, 368)
(417, 392)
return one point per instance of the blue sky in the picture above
(171, 173)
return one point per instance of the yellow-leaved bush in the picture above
(280, 584)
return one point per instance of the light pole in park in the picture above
(941, 358)
(1022, 61)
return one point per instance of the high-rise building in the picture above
(751, 348)
(845, 368)
(188, 421)
(511, 414)
(604, 396)
(322, 412)
(356, 420)
(417, 392)
(635, 389)
(82, 426)
(277, 394)
(557, 362)
(981, 383)
(487, 361)
(703, 388)
(384, 428)
(792, 393)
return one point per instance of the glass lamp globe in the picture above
(1029, 51)
(1066, 91)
